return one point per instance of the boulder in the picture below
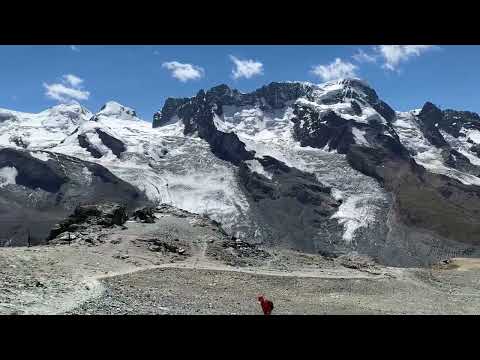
(145, 215)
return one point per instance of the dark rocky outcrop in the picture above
(356, 108)
(85, 143)
(357, 89)
(453, 121)
(476, 149)
(169, 110)
(116, 146)
(5, 116)
(197, 116)
(431, 117)
(145, 215)
(319, 130)
(276, 95)
(86, 216)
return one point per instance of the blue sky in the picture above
(34, 78)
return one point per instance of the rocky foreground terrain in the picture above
(168, 261)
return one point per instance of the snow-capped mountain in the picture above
(327, 168)
(42, 130)
(117, 111)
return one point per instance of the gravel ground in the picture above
(197, 291)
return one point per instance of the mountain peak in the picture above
(117, 110)
(70, 107)
(430, 110)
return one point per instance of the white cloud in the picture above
(362, 57)
(67, 91)
(73, 80)
(395, 54)
(74, 48)
(246, 68)
(335, 70)
(184, 72)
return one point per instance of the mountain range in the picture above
(321, 168)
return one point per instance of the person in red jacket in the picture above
(267, 305)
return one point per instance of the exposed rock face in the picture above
(115, 145)
(371, 98)
(4, 116)
(432, 119)
(453, 121)
(168, 111)
(476, 149)
(145, 215)
(292, 206)
(277, 95)
(319, 130)
(42, 191)
(197, 115)
(85, 143)
(112, 143)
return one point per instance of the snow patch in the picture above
(8, 176)
(353, 214)
(474, 135)
(359, 136)
(40, 155)
(337, 194)
(257, 167)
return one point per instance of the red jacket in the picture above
(267, 305)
